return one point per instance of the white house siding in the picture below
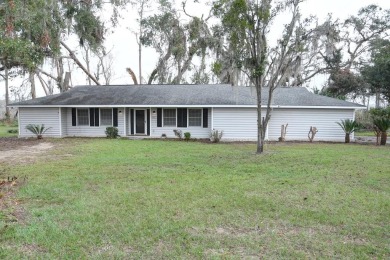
(121, 122)
(300, 120)
(196, 132)
(50, 117)
(64, 126)
(92, 131)
(236, 123)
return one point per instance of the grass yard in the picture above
(98, 198)
(365, 133)
(4, 130)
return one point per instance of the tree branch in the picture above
(42, 83)
(73, 56)
(38, 70)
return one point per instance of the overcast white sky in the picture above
(125, 50)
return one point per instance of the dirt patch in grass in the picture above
(15, 151)
(31, 249)
(278, 229)
(11, 208)
(21, 150)
(9, 143)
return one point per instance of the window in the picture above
(194, 117)
(106, 116)
(169, 117)
(82, 116)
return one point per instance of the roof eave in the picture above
(204, 105)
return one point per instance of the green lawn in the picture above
(365, 133)
(4, 130)
(98, 198)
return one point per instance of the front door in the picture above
(140, 122)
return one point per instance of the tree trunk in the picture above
(60, 74)
(347, 139)
(87, 62)
(66, 81)
(132, 74)
(43, 84)
(384, 138)
(152, 76)
(140, 57)
(141, 17)
(260, 132)
(7, 111)
(377, 99)
(31, 78)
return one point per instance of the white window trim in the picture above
(201, 117)
(112, 117)
(163, 123)
(77, 117)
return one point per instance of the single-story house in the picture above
(156, 110)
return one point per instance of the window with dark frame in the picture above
(169, 117)
(106, 116)
(83, 116)
(194, 117)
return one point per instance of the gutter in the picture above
(194, 106)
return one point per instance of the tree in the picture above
(383, 125)
(142, 6)
(349, 126)
(344, 82)
(377, 72)
(104, 67)
(381, 121)
(36, 30)
(356, 38)
(177, 42)
(359, 31)
(247, 25)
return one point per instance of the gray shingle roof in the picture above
(181, 95)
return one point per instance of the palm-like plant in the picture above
(38, 130)
(349, 126)
(383, 125)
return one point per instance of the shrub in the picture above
(178, 133)
(364, 119)
(216, 135)
(38, 130)
(112, 132)
(380, 113)
(187, 136)
(12, 131)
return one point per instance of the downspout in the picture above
(353, 118)
(60, 117)
(7, 110)
(124, 121)
(19, 133)
(150, 122)
(212, 119)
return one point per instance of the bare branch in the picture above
(38, 70)
(73, 56)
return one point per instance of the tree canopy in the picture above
(34, 30)
(377, 72)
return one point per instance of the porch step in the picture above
(137, 137)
